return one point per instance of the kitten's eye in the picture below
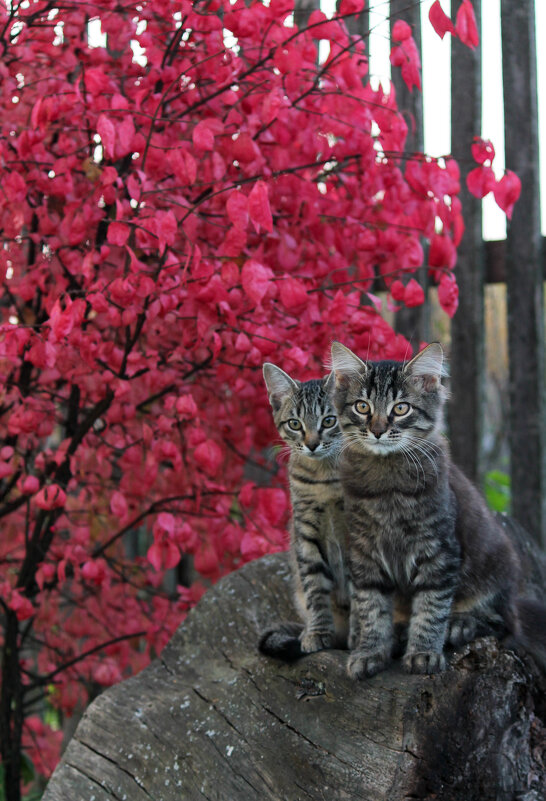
(401, 408)
(295, 425)
(329, 422)
(362, 407)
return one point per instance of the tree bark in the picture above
(213, 719)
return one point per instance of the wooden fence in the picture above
(517, 261)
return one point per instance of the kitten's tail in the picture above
(282, 642)
(532, 628)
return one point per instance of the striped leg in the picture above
(373, 650)
(427, 630)
(316, 583)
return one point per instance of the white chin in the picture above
(380, 448)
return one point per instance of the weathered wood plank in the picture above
(527, 432)
(467, 356)
(215, 720)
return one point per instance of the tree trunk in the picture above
(213, 719)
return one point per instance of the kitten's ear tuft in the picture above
(428, 365)
(345, 364)
(329, 382)
(278, 383)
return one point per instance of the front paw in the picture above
(424, 662)
(462, 629)
(362, 664)
(312, 641)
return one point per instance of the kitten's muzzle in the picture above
(378, 427)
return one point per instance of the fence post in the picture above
(467, 330)
(413, 322)
(524, 271)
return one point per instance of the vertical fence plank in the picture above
(524, 273)
(467, 330)
(412, 323)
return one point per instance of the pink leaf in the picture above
(51, 497)
(465, 25)
(507, 192)
(293, 294)
(256, 279)
(259, 208)
(237, 208)
(441, 23)
(400, 31)
(351, 7)
(413, 295)
(209, 457)
(202, 136)
(448, 294)
(118, 505)
(107, 133)
(118, 233)
(482, 150)
(398, 290)
(480, 181)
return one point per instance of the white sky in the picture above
(436, 88)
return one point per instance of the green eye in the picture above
(329, 422)
(362, 407)
(295, 425)
(401, 408)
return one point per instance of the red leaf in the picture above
(203, 137)
(442, 252)
(351, 7)
(482, 150)
(118, 505)
(328, 30)
(50, 497)
(507, 192)
(209, 457)
(448, 294)
(118, 233)
(107, 133)
(465, 25)
(400, 31)
(259, 208)
(163, 555)
(480, 181)
(413, 295)
(237, 208)
(166, 228)
(256, 279)
(184, 166)
(398, 290)
(441, 23)
(293, 294)
(21, 606)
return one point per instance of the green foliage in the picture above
(498, 491)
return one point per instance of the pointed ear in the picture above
(345, 363)
(278, 383)
(329, 383)
(428, 365)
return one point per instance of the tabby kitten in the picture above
(423, 546)
(306, 421)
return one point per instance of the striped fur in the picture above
(423, 547)
(306, 420)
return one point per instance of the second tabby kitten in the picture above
(305, 419)
(422, 544)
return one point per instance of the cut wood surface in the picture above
(213, 719)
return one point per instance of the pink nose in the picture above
(378, 427)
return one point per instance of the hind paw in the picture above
(312, 641)
(462, 629)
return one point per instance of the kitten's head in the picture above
(384, 407)
(304, 413)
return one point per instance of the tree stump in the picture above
(213, 719)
